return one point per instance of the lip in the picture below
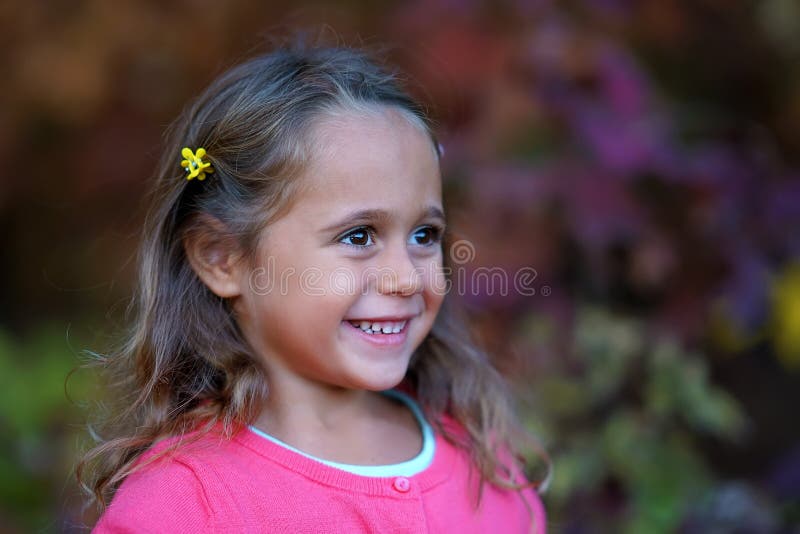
(379, 340)
(384, 318)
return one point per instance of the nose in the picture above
(398, 274)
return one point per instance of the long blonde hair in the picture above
(184, 364)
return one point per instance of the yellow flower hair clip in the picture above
(194, 164)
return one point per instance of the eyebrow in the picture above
(380, 216)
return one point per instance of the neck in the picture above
(313, 410)
(341, 425)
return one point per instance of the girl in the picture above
(295, 365)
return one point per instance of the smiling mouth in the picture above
(380, 327)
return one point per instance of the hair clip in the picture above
(194, 164)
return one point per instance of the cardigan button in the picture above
(402, 484)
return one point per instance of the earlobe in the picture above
(214, 257)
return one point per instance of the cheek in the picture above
(344, 283)
(322, 296)
(435, 281)
(291, 273)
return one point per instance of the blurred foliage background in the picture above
(641, 156)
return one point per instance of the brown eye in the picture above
(425, 236)
(360, 237)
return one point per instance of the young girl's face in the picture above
(359, 248)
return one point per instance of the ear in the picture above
(214, 256)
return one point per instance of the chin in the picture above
(383, 381)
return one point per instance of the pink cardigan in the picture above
(250, 484)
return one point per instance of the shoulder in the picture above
(528, 495)
(507, 509)
(174, 488)
(164, 496)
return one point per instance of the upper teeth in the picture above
(387, 327)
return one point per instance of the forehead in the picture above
(369, 159)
